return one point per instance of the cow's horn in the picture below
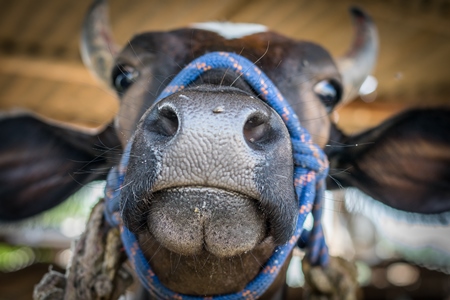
(98, 48)
(360, 59)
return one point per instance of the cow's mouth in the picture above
(190, 220)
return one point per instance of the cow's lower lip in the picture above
(189, 220)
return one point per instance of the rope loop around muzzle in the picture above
(310, 170)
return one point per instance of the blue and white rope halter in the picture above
(310, 170)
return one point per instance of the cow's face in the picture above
(208, 190)
(210, 174)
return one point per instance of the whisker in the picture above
(340, 172)
(156, 252)
(281, 176)
(349, 145)
(254, 63)
(336, 181)
(256, 259)
(122, 187)
(177, 265)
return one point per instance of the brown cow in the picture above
(237, 164)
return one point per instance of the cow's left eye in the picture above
(329, 92)
(123, 77)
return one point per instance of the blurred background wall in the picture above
(41, 69)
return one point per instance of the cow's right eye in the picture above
(123, 77)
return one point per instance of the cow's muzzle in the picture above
(213, 167)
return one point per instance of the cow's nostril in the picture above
(256, 128)
(168, 120)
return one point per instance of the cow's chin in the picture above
(199, 237)
(192, 220)
(205, 274)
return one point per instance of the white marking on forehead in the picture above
(230, 30)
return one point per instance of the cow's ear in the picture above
(404, 162)
(41, 164)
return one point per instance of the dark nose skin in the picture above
(214, 140)
(254, 118)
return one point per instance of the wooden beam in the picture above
(44, 68)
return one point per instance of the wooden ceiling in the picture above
(41, 70)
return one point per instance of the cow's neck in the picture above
(205, 274)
